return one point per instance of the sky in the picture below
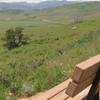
(37, 1)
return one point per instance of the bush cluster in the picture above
(15, 38)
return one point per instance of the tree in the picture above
(15, 38)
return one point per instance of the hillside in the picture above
(31, 6)
(57, 42)
(64, 14)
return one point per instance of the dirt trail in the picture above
(53, 22)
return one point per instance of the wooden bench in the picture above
(83, 84)
(85, 74)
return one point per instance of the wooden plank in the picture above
(60, 96)
(82, 94)
(74, 88)
(52, 92)
(86, 69)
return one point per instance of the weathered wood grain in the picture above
(86, 69)
(74, 88)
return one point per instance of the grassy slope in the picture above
(66, 14)
(54, 49)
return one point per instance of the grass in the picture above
(50, 56)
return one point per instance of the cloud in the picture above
(37, 1)
(83, 0)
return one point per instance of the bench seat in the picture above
(58, 93)
(47, 95)
(78, 86)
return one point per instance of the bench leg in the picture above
(96, 97)
(93, 89)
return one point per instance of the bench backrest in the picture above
(83, 75)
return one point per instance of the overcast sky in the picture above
(36, 1)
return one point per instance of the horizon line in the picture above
(49, 0)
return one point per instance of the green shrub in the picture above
(15, 38)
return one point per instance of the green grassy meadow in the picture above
(56, 45)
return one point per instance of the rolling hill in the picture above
(64, 14)
(32, 6)
(67, 14)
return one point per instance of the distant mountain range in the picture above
(31, 6)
